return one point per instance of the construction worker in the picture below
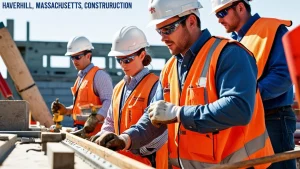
(133, 94)
(206, 98)
(92, 86)
(263, 37)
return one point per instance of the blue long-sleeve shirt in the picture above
(275, 83)
(236, 87)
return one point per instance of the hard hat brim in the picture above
(222, 6)
(116, 53)
(156, 21)
(126, 52)
(69, 53)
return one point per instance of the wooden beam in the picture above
(6, 145)
(288, 155)
(51, 137)
(22, 78)
(35, 134)
(109, 155)
(60, 156)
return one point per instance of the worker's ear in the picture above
(240, 7)
(89, 55)
(142, 55)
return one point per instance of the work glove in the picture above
(91, 123)
(59, 108)
(162, 112)
(94, 138)
(111, 141)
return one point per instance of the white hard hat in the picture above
(161, 10)
(128, 40)
(219, 4)
(78, 44)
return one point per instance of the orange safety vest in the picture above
(259, 39)
(132, 111)
(85, 95)
(197, 150)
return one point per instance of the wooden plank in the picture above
(35, 134)
(7, 146)
(288, 155)
(60, 156)
(109, 155)
(22, 78)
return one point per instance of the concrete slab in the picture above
(14, 115)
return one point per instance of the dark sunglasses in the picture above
(168, 29)
(77, 57)
(125, 60)
(224, 12)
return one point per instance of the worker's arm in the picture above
(276, 78)
(236, 87)
(103, 88)
(159, 141)
(144, 132)
(108, 125)
(69, 110)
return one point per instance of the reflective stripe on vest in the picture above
(239, 155)
(203, 77)
(259, 39)
(202, 150)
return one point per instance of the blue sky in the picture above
(99, 25)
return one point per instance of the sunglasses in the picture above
(168, 29)
(77, 57)
(126, 60)
(224, 12)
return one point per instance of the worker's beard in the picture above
(183, 43)
(233, 25)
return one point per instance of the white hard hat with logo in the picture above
(162, 10)
(128, 40)
(220, 4)
(78, 44)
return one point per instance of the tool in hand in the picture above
(57, 118)
(91, 121)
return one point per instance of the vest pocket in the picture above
(201, 145)
(196, 95)
(134, 113)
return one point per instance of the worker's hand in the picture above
(58, 108)
(162, 112)
(94, 138)
(92, 122)
(111, 141)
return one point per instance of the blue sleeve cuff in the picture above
(187, 117)
(133, 136)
